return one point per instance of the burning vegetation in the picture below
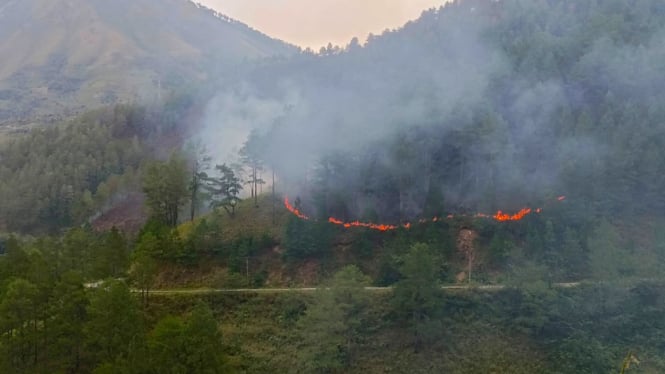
(499, 216)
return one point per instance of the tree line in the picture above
(59, 176)
(56, 315)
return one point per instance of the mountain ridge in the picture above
(64, 56)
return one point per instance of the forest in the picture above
(432, 129)
(56, 319)
(479, 107)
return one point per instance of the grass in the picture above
(261, 335)
(476, 333)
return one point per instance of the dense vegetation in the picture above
(480, 106)
(486, 106)
(57, 176)
(475, 107)
(62, 175)
(51, 322)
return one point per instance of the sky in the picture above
(314, 23)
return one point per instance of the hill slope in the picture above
(61, 55)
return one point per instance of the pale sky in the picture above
(314, 23)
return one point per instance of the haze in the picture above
(313, 24)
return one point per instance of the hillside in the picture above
(474, 107)
(60, 56)
(479, 191)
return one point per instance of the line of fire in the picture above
(498, 216)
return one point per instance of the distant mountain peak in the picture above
(62, 56)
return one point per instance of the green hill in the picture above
(60, 56)
(477, 107)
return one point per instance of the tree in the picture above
(271, 152)
(417, 295)
(607, 258)
(551, 255)
(160, 241)
(575, 257)
(15, 261)
(203, 342)
(193, 346)
(224, 190)
(112, 257)
(87, 151)
(354, 45)
(115, 326)
(581, 354)
(200, 163)
(251, 155)
(334, 325)
(19, 327)
(166, 345)
(67, 307)
(305, 238)
(77, 249)
(165, 188)
(466, 245)
(143, 273)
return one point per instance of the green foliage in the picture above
(115, 325)
(608, 258)
(143, 273)
(77, 251)
(290, 308)
(303, 239)
(239, 251)
(71, 169)
(200, 164)
(165, 187)
(363, 244)
(161, 241)
(574, 257)
(253, 157)
(193, 346)
(112, 257)
(500, 247)
(600, 135)
(68, 307)
(417, 295)
(482, 349)
(224, 190)
(581, 354)
(203, 341)
(166, 345)
(52, 323)
(18, 322)
(333, 326)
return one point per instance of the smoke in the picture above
(231, 116)
(480, 126)
(343, 103)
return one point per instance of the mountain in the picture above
(471, 108)
(60, 56)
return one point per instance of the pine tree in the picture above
(165, 188)
(417, 295)
(225, 189)
(114, 326)
(334, 325)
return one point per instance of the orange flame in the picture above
(293, 210)
(502, 217)
(499, 216)
(373, 226)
